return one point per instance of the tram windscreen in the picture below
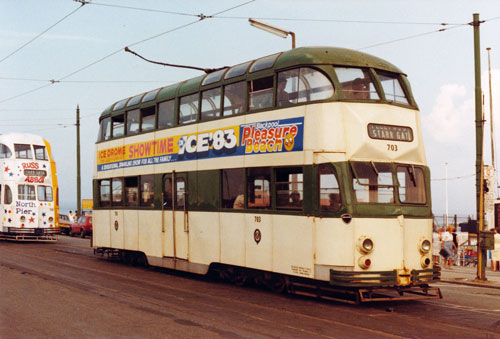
(372, 182)
(411, 184)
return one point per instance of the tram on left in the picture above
(28, 189)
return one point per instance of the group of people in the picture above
(445, 244)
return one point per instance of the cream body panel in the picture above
(101, 228)
(293, 245)
(232, 239)
(416, 230)
(259, 255)
(150, 238)
(204, 237)
(181, 236)
(334, 242)
(168, 234)
(117, 234)
(131, 229)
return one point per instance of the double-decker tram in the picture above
(304, 170)
(28, 185)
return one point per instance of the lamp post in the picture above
(273, 30)
(446, 193)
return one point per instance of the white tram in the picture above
(28, 189)
(304, 170)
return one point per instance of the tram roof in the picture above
(294, 57)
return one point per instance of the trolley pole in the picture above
(78, 177)
(481, 253)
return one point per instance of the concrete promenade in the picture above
(466, 275)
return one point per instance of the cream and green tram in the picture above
(303, 170)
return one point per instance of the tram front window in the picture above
(356, 84)
(411, 184)
(372, 182)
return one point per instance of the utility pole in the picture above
(481, 252)
(78, 177)
(491, 114)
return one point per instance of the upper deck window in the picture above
(261, 93)
(23, 151)
(135, 100)
(120, 104)
(237, 70)
(357, 83)
(166, 114)
(105, 129)
(392, 87)
(133, 118)
(44, 193)
(148, 118)
(234, 98)
(150, 95)
(411, 184)
(213, 77)
(188, 109)
(118, 125)
(5, 152)
(210, 104)
(26, 192)
(264, 63)
(40, 152)
(7, 195)
(302, 85)
(372, 182)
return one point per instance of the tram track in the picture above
(245, 309)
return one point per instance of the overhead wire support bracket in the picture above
(206, 70)
(83, 2)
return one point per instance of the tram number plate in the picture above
(257, 219)
(392, 147)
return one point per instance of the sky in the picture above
(56, 55)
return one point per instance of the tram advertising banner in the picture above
(274, 136)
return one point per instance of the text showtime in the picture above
(254, 138)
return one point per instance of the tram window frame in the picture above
(147, 190)
(235, 103)
(5, 152)
(45, 193)
(301, 89)
(167, 192)
(1, 197)
(328, 185)
(394, 78)
(131, 188)
(417, 176)
(118, 125)
(105, 129)
(180, 192)
(211, 105)
(190, 102)
(148, 115)
(23, 151)
(374, 191)
(261, 93)
(233, 188)
(43, 155)
(103, 201)
(26, 192)
(254, 175)
(355, 87)
(166, 114)
(289, 193)
(133, 125)
(116, 191)
(7, 195)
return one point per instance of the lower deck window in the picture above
(372, 182)
(411, 184)
(329, 191)
(258, 187)
(131, 191)
(289, 187)
(233, 193)
(45, 193)
(26, 192)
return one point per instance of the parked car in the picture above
(64, 224)
(82, 227)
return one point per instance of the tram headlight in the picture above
(365, 245)
(51, 219)
(425, 245)
(23, 218)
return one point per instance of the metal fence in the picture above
(455, 220)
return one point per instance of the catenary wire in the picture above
(42, 33)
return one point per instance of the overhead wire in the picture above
(42, 33)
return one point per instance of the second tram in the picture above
(28, 189)
(304, 170)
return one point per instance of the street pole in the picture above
(481, 252)
(446, 192)
(491, 115)
(78, 177)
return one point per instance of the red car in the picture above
(82, 227)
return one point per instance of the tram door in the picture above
(175, 216)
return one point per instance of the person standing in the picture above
(71, 217)
(448, 245)
(495, 254)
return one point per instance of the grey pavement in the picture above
(467, 275)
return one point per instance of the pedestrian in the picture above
(495, 254)
(436, 246)
(448, 246)
(71, 217)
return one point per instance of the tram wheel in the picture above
(276, 283)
